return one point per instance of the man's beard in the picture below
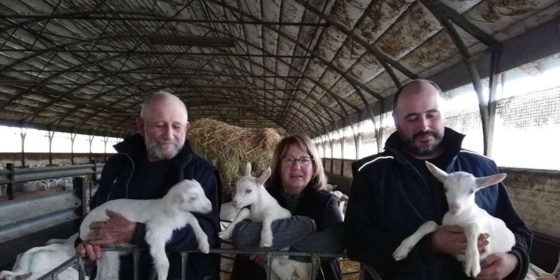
(417, 148)
(157, 151)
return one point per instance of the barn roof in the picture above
(295, 65)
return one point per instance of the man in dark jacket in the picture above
(147, 165)
(393, 193)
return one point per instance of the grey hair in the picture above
(162, 94)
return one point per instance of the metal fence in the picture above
(26, 214)
(77, 263)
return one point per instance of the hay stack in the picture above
(230, 147)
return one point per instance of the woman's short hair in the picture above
(318, 179)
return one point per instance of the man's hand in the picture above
(259, 260)
(116, 230)
(497, 266)
(88, 251)
(451, 240)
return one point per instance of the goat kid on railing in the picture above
(39, 261)
(250, 191)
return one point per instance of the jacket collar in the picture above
(452, 141)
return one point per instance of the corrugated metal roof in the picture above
(299, 66)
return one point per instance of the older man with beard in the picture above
(393, 193)
(147, 165)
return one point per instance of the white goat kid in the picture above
(161, 216)
(38, 261)
(264, 208)
(460, 188)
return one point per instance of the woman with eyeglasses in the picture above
(297, 182)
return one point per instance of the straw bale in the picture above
(230, 147)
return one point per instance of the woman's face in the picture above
(296, 169)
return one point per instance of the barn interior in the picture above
(295, 66)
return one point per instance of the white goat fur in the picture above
(161, 216)
(38, 261)
(250, 191)
(460, 193)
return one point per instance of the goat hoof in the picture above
(401, 253)
(204, 247)
(223, 235)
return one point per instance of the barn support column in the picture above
(105, 140)
(90, 139)
(323, 144)
(357, 135)
(332, 149)
(72, 138)
(379, 134)
(341, 134)
(471, 68)
(10, 187)
(495, 79)
(23, 133)
(51, 135)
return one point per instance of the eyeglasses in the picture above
(304, 161)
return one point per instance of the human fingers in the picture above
(453, 229)
(259, 260)
(102, 242)
(96, 225)
(81, 250)
(489, 260)
(114, 215)
(449, 240)
(482, 245)
(93, 252)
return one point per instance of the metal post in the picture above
(51, 135)
(81, 269)
(136, 257)
(10, 188)
(90, 144)
(22, 134)
(72, 138)
(315, 262)
(79, 184)
(184, 257)
(268, 265)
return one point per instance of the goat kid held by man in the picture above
(460, 189)
(161, 216)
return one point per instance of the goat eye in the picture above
(192, 199)
(248, 191)
(471, 192)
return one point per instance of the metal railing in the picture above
(77, 261)
(12, 175)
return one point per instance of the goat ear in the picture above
(483, 182)
(264, 176)
(178, 199)
(438, 173)
(248, 169)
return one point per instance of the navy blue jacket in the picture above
(390, 199)
(119, 171)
